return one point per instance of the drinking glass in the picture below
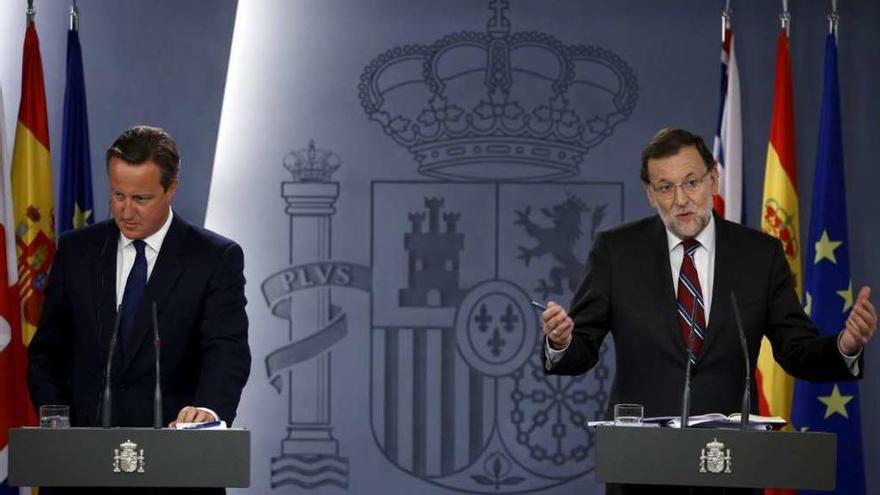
(54, 416)
(628, 414)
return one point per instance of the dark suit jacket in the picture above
(197, 284)
(628, 291)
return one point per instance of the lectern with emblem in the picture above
(129, 457)
(716, 457)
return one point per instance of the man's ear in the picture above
(716, 182)
(172, 189)
(650, 194)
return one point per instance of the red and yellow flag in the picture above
(15, 407)
(780, 219)
(32, 205)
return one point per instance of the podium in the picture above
(129, 457)
(716, 457)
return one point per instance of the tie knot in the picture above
(690, 245)
(139, 245)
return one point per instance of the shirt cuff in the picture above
(852, 362)
(553, 355)
(209, 411)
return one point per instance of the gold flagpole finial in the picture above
(74, 17)
(31, 12)
(785, 18)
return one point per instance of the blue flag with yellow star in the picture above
(75, 205)
(828, 293)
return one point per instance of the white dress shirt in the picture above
(125, 254)
(704, 261)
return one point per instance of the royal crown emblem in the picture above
(498, 105)
(714, 458)
(312, 164)
(129, 460)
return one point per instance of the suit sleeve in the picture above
(591, 313)
(226, 359)
(49, 353)
(797, 345)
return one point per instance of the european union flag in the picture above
(75, 207)
(828, 291)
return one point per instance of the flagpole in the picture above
(725, 21)
(74, 17)
(30, 13)
(785, 19)
(833, 17)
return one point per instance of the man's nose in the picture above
(127, 209)
(679, 196)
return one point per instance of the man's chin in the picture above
(688, 229)
(130, 232)
(676, 228)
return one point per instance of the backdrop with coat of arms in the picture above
(409, 195)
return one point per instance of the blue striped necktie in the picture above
(689, 295)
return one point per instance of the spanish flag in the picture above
(32, 205)
(780, 219)
(15, 407)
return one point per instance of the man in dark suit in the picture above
(651, 281)
(145, 256)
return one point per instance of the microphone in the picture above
(101, 277)
(747, 391)
(100, 313)
(107, 400)
(686, 395)
(157, 393)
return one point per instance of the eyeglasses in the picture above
(689, 186)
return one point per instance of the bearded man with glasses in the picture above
(654, 281)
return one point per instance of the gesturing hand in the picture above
(557, 326)
(861, 324)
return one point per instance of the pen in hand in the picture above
(538, 305)
(202, 426)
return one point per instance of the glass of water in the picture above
(54, 416)
(628, 414)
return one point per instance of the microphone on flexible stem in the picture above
(100, 313)
(107, 400)
(157, 393)
(747, 391)
(686, 396)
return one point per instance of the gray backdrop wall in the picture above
(329, 259)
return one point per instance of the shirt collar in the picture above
(155, 240)
(706, 237)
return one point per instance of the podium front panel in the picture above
(136, 457)
(716, 457)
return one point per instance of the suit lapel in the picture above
(162, 280)
(662, 291)
(721, 285)
(104, 285)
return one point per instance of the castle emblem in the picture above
(433, 260)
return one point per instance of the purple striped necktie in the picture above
(689, 295)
